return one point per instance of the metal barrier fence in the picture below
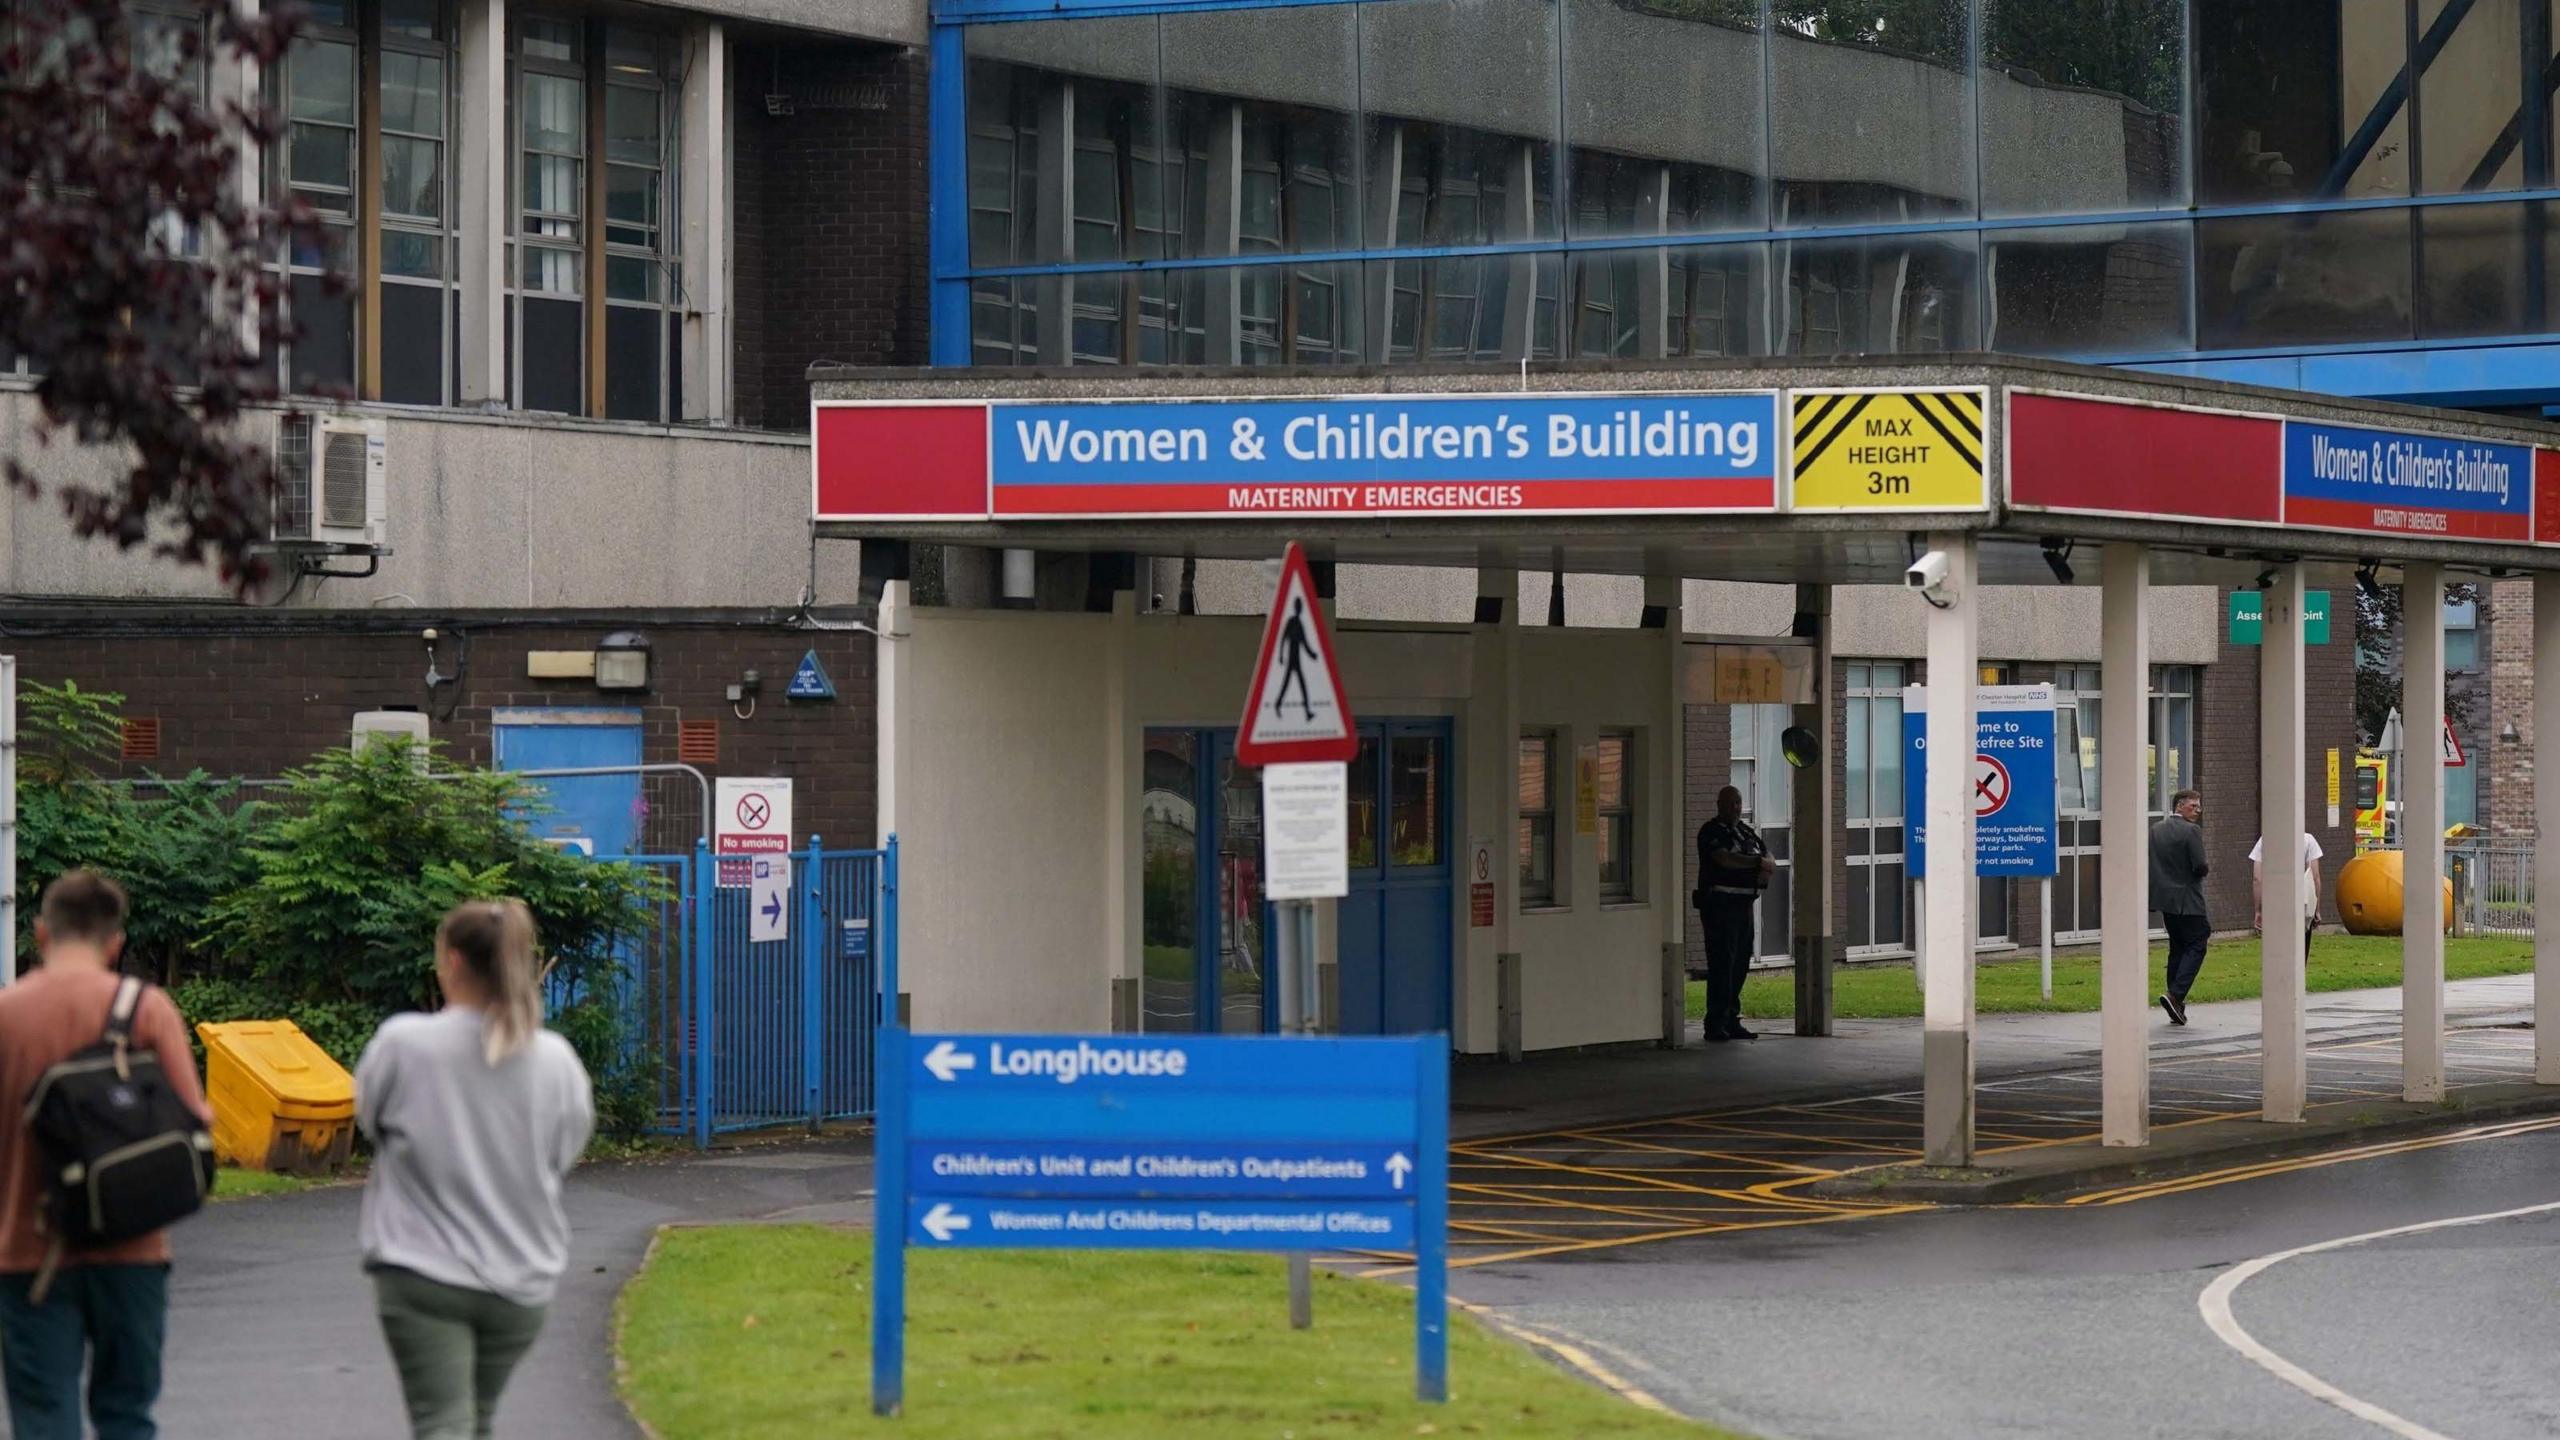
(2492, 886)
(745, 1034)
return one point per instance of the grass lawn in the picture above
(756, 1331)
(231, 1183)
(2007, 984)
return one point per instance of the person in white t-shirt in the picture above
(2311, 853)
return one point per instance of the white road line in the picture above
(2215, 1305)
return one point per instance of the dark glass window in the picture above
(2303, 279)
(1871, 111)
(2083, 104)
(2089, 290)
(1681, 152)
(1887, 295)
(2296, 100)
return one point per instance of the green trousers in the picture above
(454, 1348)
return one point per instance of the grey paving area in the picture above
(271, 1327)
(1878, 1056)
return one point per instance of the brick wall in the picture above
(2506, 638)
(2227, 746)
(830, 221)
(238, 703)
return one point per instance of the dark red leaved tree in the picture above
(134, 264)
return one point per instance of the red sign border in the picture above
(1293, 564)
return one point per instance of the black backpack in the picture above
(124, 1156)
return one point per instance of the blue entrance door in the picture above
(1393, 953)
(595, 815)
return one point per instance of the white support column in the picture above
(2280, 814)
(2124, 872)
(238, 77)
(481, 142)
(1124, 860)
(1665, 763)
(1946, 1056)
(2546, 827)
(2421, 835)
(705, 180)
(890, 651)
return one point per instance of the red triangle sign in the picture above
(1297, 710)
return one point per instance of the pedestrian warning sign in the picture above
(1888, 450)
(1296, 710)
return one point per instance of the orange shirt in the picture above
(44, 1017)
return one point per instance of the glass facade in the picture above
(1455, 180)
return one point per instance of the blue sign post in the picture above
(2014, 817)
(1160, 1143)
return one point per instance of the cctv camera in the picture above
(1928, 574)
(428, 634)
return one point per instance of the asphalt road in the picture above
(2085, 1323)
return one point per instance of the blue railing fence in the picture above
(741, 1034)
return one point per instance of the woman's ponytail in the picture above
(495, 938)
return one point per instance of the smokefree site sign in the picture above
(2012, 780)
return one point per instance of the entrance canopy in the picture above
(1816, 471)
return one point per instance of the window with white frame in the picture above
(418, 235)
(596, 315)
(1537, 841)
(2173, 734)
(1757, 767)
(1615, 785)
(1872, 708)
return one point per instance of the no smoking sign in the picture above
(753, 815)
(1990, 786)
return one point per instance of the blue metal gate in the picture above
(745, 1035)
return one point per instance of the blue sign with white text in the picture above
(810, 681)
(1161, 1143)
(1371, 455)
(1282, 1171)
(2345, 477)
(2012, 779)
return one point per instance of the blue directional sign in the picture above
(810, 681)
(2012, 780)
(1161, 1143)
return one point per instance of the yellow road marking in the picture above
(2236, 1173)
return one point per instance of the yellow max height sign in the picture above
(1888, 450)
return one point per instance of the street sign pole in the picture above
(1301, 749)
(1292, 920)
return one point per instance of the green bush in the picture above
(320, 906)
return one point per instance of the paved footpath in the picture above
(271, 1329)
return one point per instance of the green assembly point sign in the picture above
(2249, 617)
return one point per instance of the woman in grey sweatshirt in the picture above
(476, 1113)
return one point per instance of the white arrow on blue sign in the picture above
(1161, 1143)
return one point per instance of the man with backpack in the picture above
(66, 1297)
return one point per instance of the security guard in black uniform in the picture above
(1733, 868)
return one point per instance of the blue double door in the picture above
(1207, 925)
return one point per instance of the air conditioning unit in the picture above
(330, 488)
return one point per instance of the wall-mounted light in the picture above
(2507, 734)
(2369, 580)
(622, 661)
(2057, 558)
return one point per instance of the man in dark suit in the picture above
(1733, 868)
(2177, 892)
